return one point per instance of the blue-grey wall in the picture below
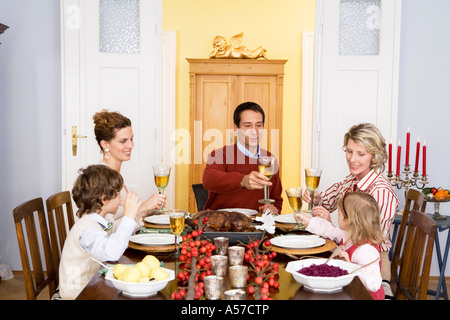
(30, 110)
(424, 100)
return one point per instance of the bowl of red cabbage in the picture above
(315, 275)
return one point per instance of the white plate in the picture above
(298, 242)
(285, 218)
(154, 239)
(158, 219)
(247, 212)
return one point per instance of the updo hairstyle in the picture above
(107, 124)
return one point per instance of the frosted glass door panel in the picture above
(359, 27)
(119, 26)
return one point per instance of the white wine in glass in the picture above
(177, 225)
(162, 174)
(295, 200)
(266, 166)
(312, 177)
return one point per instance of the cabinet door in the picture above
(212, 125)
(263, 91)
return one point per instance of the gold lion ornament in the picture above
(235, 50)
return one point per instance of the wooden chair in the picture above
(416, 257)
(201, 195)
(58, 227)
(35, 278)
(415, 200)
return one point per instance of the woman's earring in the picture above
(107, 153)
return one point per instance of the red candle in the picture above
(416, 168)
(399, 150)
(407, 147)
(390, 157)
(424, 162)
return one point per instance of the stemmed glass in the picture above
(176, 217)
(312, 177)
(266, 166)
(162, 174)
(295, 200)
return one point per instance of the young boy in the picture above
(96, 193)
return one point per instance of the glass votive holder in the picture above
(235, 294)
(221, 244)
(236, 255)
(213, 287)
(238, 276)
(219, 265)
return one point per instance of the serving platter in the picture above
(247, 212)
(234, 237)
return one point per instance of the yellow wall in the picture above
(275, 25)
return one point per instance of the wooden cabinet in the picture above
(217, 87)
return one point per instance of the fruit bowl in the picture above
(140, 289)
(322, 284)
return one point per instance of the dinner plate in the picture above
(298, 241)
(247, 212)
(285, 218)
(158, 219)
(154, 239)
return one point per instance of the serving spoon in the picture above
(335, 253)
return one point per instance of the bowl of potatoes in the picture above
(143, 279)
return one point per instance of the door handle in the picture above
(75, 138)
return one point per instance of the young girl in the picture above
(359, 232)
(96, 193)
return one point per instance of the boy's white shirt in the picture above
(104, 246)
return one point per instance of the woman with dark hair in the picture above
(114, 135)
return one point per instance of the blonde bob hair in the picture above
(362, 213)
(368, 136)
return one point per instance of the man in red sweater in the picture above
(231, 175)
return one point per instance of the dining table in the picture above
(100, 288)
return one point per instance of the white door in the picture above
(356, 76)
(111, 55)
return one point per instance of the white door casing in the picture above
(130, 83)
(351, 88)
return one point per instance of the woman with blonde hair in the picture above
(365, 152)
(359, 233)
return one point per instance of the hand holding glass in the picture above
(312, 177)
(162, 174)
(266, 167)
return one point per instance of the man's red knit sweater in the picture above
(225, 169)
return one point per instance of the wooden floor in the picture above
(14, 289)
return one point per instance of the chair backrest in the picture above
(60, 220)
(35, 278)
(201, 195)
(415, 200)
(416, 257)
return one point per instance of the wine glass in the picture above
(266, 167)
(176, 217)
(295, 200)
(312, 177)
(162, 174)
